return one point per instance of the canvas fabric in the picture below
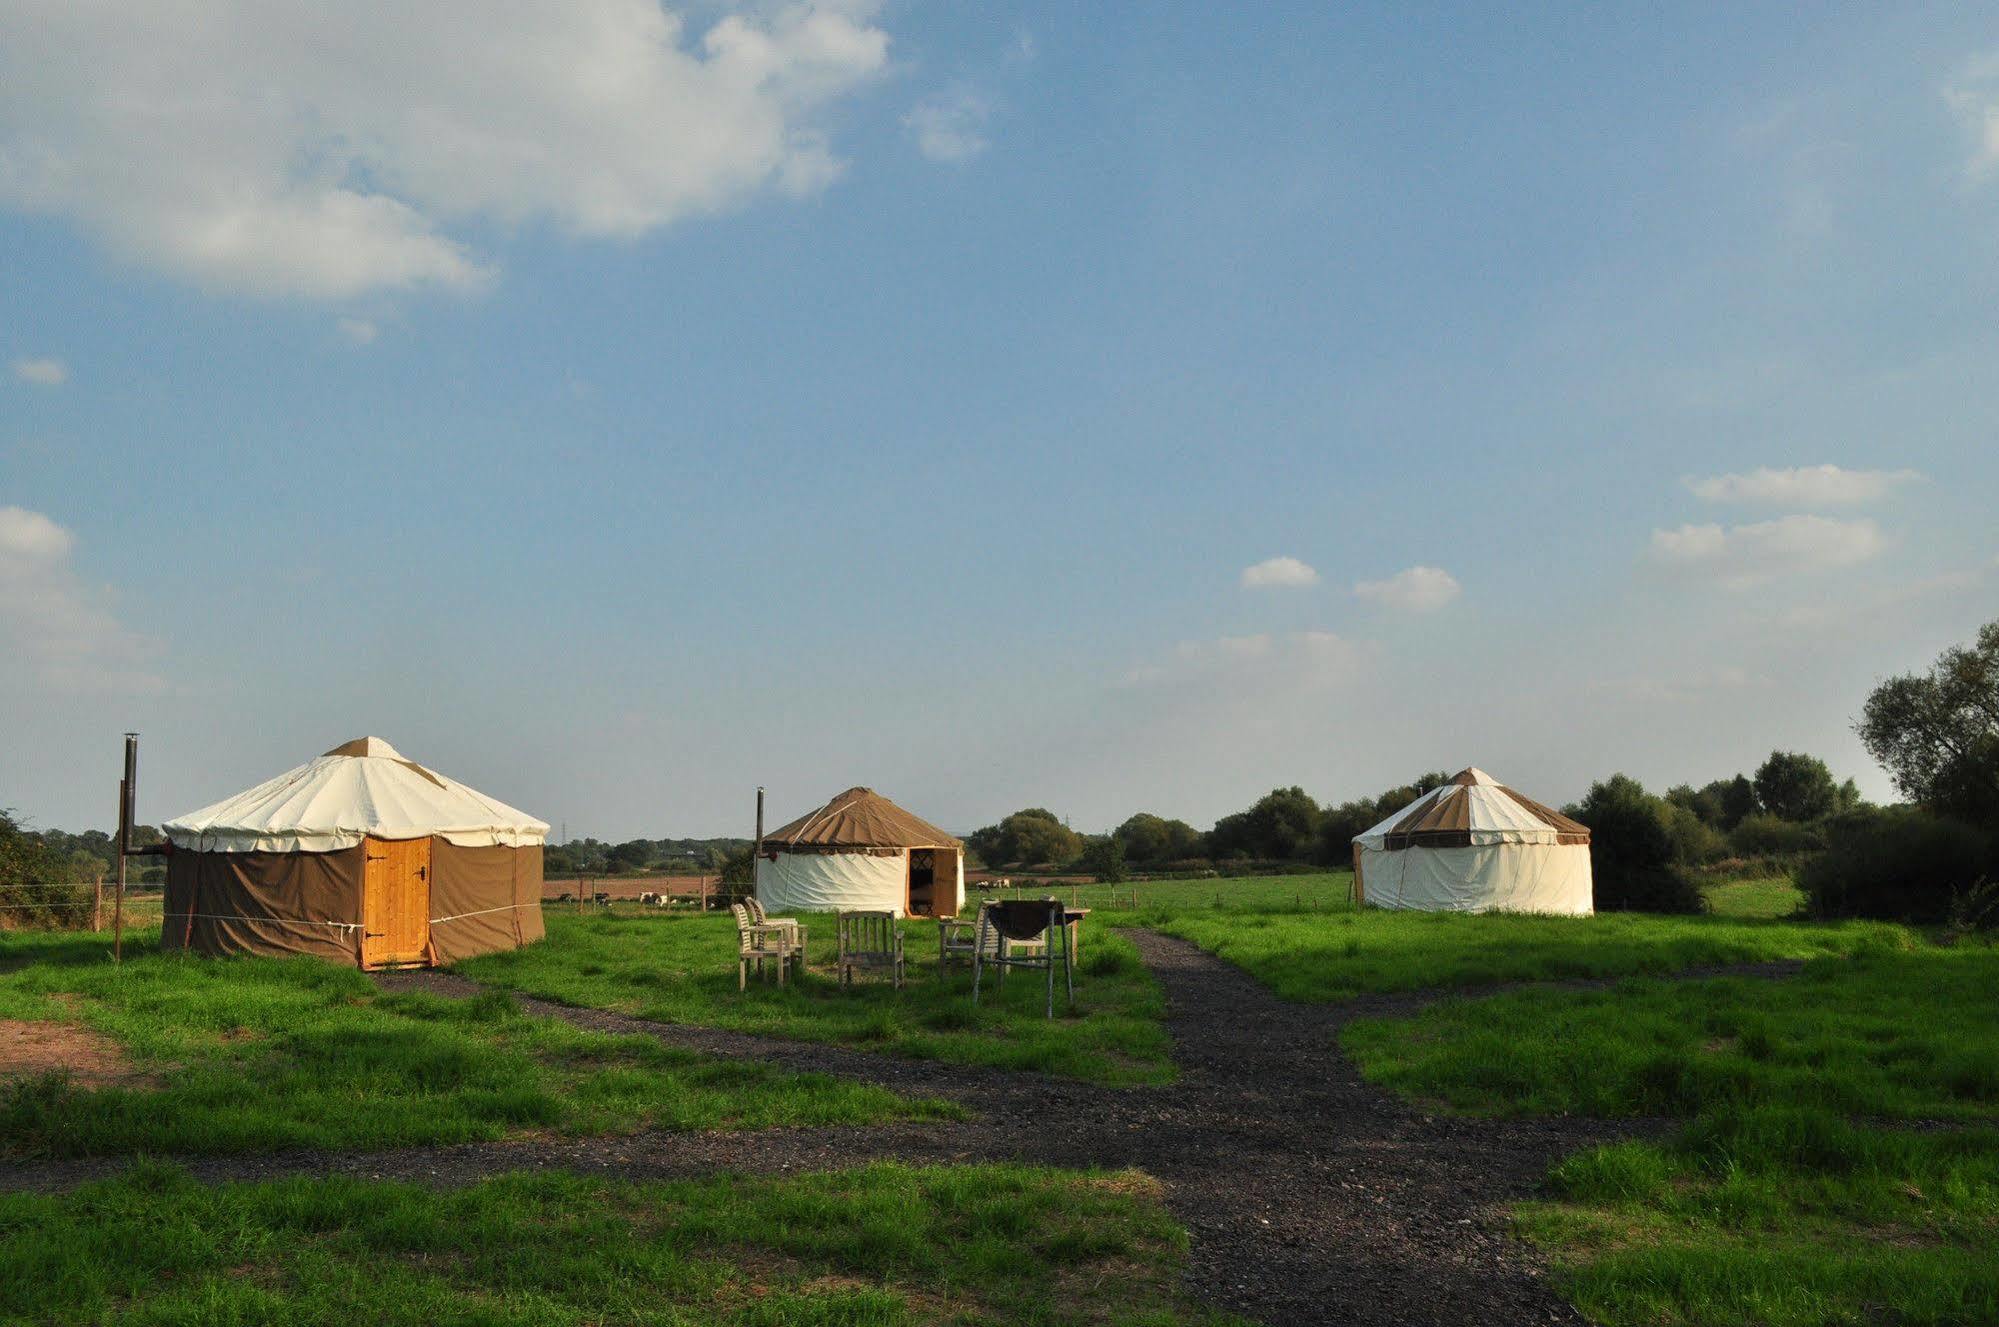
(1498, 877)
(860, 818)
(359, 789)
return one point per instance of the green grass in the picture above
(879, 1247)
(1789, 1196)
(1772, 898)
(1331, 955)
(682, 969)
(257, 1054)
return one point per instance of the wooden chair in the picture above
(758, 916)
(1032, 934)
(757, 943)
(960, 938)
(869, 939)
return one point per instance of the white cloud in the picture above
(359, 331)
(324, 151)
(1743, 556)
(42, 372)
(1974, 96)
(1802, 486)
(53, 627)
(1414, 590)
(1691, 686)
(1259, 662)
(950, 128)
(1279, 574)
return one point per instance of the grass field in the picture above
(1771, 898)
(879, 1247)
(682, 969)
(1792, 1195)
(1330, 955)
(255, 1054)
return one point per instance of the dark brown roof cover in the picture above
(860, 818)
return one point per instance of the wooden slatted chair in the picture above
(961, 938)
(755, 943)
(757, 915)
(869, 939)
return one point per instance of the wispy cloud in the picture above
(359, 331)
(1974, 95)
(1414, 590)
(54, 628)
(42, 372)
(334, 150)
(1742, 556)
(1800, 487)
(1307, 658)
(1279, 574)
(951, 127)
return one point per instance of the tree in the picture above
(37, 883)
(1796, 787)
(1281, 825)
(1149, 838)
(1031, 836)
(632, 855)
(1937, 733)
(1104, 859)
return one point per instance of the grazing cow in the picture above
(649, 899)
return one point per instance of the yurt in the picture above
(360, 856)
(1475, 845)
(861, 850)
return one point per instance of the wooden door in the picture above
(395, 902)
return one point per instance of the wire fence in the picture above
(72, 905)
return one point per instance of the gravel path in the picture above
(1312, 1196)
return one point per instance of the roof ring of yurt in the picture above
(1472, 844)
(861, 851)
(361, 856)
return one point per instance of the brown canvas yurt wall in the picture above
(481, 900)
(264, 903)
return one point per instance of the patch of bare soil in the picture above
(31, 1048)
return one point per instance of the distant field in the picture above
(1771, 898)
(1330, 956)
(171, 1054)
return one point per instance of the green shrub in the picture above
(1897, 863)
(1768, 836)
(1632, 854)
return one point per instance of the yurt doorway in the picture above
(395, 902)
(933, 875)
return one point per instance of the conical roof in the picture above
(358, 789)
(1470, 808)
(860, 818)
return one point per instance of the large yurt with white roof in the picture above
(1475, 845)
(360, 856)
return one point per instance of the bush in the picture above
(1897, 863)
(1768, 836)
(1632, 855)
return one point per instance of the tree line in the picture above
(1934, 857)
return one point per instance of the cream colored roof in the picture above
(363, 788)
(1472, 808)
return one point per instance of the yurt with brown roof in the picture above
(1475, 845)
(360, 856)
(861, 850)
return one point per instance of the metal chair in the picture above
(1020, 924)
(869, 939)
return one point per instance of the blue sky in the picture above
(618, 415)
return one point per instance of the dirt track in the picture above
(1311, 1196)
